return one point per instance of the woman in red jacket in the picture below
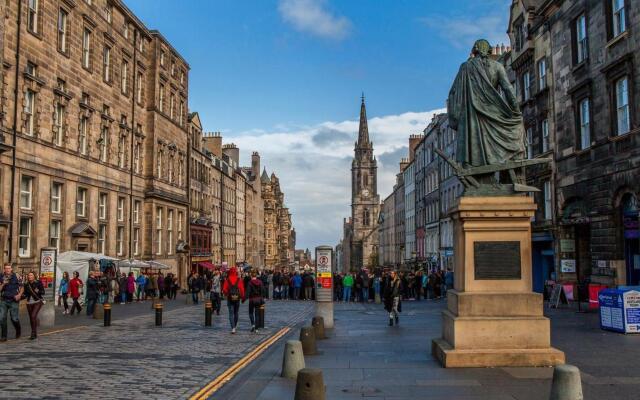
(233, 290)
(75, 285)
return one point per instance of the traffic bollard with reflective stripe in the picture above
(107, 314)
(260, 322)
(207, 313)
(159, 314)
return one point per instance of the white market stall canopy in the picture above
(71, 261)
(157, 265)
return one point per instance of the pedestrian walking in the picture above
(123, 288)
(297, 285)
(11, 290)
(92, 294)
(308, 283)
(63, 292)
(75, 289)
(233, 289)
(392, 293)
(131, 287)
(160, 283)
(365, 287)
(448, 281)
(254, 294)
(141, 281)
(33, 292)
(216, 292)
(347, 283)
(337, 287)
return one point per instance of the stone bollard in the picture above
(566, 383)
(293, 359)
(310, 385)
(308, 339)
(318, 327)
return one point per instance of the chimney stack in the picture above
(213, 143)
(232, 151)
(255, 164)
(414, 140)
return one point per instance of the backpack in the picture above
(234, 291)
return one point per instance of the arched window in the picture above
(365, 217)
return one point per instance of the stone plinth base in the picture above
(454, 358)
(493, 319)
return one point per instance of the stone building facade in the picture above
(529, 63)
(596, 65)
(100, 159)
(277, 225)
(254, 214)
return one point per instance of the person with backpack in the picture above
(34, 293)
(233, 289)
(254, 294)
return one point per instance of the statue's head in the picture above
(481, 48)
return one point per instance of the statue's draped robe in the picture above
(489, 130)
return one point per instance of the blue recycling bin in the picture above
(620, 310)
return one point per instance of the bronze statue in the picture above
(484, 111)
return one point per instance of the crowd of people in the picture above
(367, 286)
(234, 285)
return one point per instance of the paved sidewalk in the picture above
(118, 311)
(366, 358)
(133, 359)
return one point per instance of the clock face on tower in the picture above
(365, 193)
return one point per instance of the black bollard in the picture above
(159, 314)
(207, 313)
(260, 322)
(107, 314)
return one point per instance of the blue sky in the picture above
(283, 76)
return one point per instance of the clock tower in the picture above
(365, 201)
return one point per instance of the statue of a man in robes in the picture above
(484, 111)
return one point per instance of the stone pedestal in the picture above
(493, 319)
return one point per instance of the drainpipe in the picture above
(15, 132)
(136, 35)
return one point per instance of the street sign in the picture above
(48, 259)
(324, 276)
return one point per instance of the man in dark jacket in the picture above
(392, 293)
(307, 282)
(92, 293)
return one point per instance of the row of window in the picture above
(622, 116)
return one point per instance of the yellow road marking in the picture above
(62, 330)
(227, 375)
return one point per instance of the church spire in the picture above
(363, 130)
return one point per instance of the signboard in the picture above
(611, 307)
(324, 275)
(48, 259)
(497, 260)
(632, 311)
(567, 245)
(567, 266)
(558, 296)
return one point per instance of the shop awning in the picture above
(207, 265)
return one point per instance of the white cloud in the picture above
(462, 32)
(315, 171)
(312, 16)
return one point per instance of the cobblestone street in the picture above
(135, 359)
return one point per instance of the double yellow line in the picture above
(227, 375)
